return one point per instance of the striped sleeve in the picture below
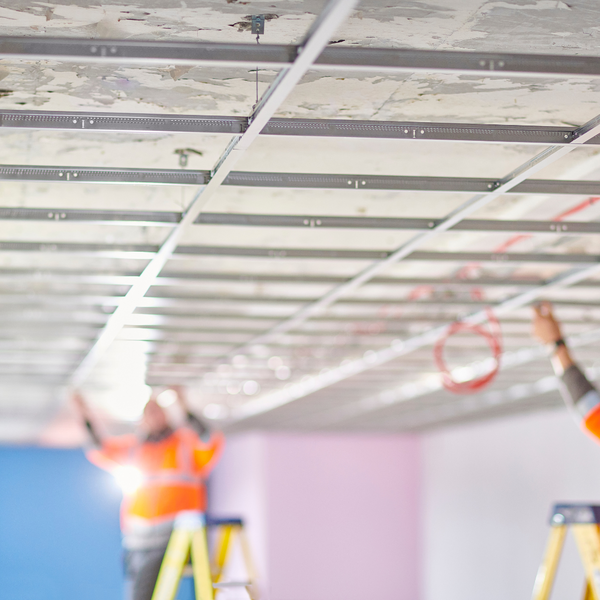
(579, 393)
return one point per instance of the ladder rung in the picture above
(226, 584)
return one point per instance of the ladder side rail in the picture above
(171, 569)
(203, 584)
(225, 535)
(588, 542)
(250, 565)
(547, 571)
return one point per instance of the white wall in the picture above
(487, 492)
(238, 488)
(332, 516)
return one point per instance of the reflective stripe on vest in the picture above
(587, 403)
(172, 478)
(184, 473)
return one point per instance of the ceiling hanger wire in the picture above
(258, 27)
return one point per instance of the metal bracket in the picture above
(258, 24)
(183, 158)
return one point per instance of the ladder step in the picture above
(227, 584)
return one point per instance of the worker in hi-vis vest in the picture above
(161, 470)
(579, 394)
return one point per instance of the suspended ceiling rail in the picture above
(280, 56)
(156, 317)
(103, 175)
(195, 301)
(416, 184)
(181, 278)
(240, 325)
(145, 251)
(294, 180)
(143, 217)
(404, 130)
(170, 278)
(328, 222)
(187, 329)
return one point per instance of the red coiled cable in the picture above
(493, 336)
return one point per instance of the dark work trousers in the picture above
(142, 567)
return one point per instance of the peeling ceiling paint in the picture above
(207, 320)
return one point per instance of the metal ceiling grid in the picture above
(338, 58)
(294, 180)
(398, 348)
(263, 310)
(421, 403)
(148, 123)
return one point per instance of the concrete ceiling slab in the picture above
(187, 330)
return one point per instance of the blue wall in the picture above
(59, 527)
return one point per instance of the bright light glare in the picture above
(234, 388)
(167, 398)
(240, 360)
(129, 478)
(283, 373)
(462, 374)
(127, 402)
(250, 388)
(215, 411)
(274, 362)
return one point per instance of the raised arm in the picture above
(193, 421)
(85, 415)
(576, 389)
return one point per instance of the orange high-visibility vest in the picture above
(173, 472)
(591, 422)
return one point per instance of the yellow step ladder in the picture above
(584, 521)
(189, 542)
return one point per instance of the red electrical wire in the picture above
(494, 339)
(560, 217)
(493, 336)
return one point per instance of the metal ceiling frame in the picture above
(317, 38)
(540, 161)
(170, 219)
(187, 300)
(103, 175)
(279, 56)
(466, 185)
(312, 54)
(166, 218)
(173, 278)
(146, 251)
(402, 130)
(169, 278)
(417, 388)
(493, 399)
(400, 223)
(146, 317)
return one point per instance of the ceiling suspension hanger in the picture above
(258, 27)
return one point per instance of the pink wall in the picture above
(337, 516)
